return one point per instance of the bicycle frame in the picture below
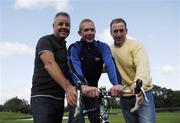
(104, 104)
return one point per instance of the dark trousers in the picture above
(47, 110)
(88, 103)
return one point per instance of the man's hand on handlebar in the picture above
(116, 90)
(90, 91)
(140, 97)
(71, 95)
(136, 90)
(132, 87)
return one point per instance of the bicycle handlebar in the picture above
(104, 93)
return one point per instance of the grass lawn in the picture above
(168, 117)
(161, 117)
(10, 117)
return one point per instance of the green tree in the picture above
(17, 105)
(1, 108)
(164, 97)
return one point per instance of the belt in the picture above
(127, 97)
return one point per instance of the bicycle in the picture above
(105, 105)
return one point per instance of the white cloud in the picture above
(169, 69)
(12, 49)
(59, 5)
(105, 36)
(22, 92)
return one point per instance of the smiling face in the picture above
(87, 31)
(118, 32)
(61, 26)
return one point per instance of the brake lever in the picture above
(138, 89)
(78, 107)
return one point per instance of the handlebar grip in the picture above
(78, 86)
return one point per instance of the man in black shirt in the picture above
(51, 79)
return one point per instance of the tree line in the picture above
(16, 105)
(163, 98)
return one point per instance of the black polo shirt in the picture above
(42, 83)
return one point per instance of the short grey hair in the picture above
(85, 20)
(61, 14)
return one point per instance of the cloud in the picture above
(12, 49)
(59, 5)
(169, 69)
(105, 36)
(9, 93)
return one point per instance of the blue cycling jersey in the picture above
(86, 62)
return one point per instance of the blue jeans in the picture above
(88, 103)
(47, 110)
(145, 114)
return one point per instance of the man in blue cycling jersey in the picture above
(86, 58)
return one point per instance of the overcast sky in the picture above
(155, 23)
